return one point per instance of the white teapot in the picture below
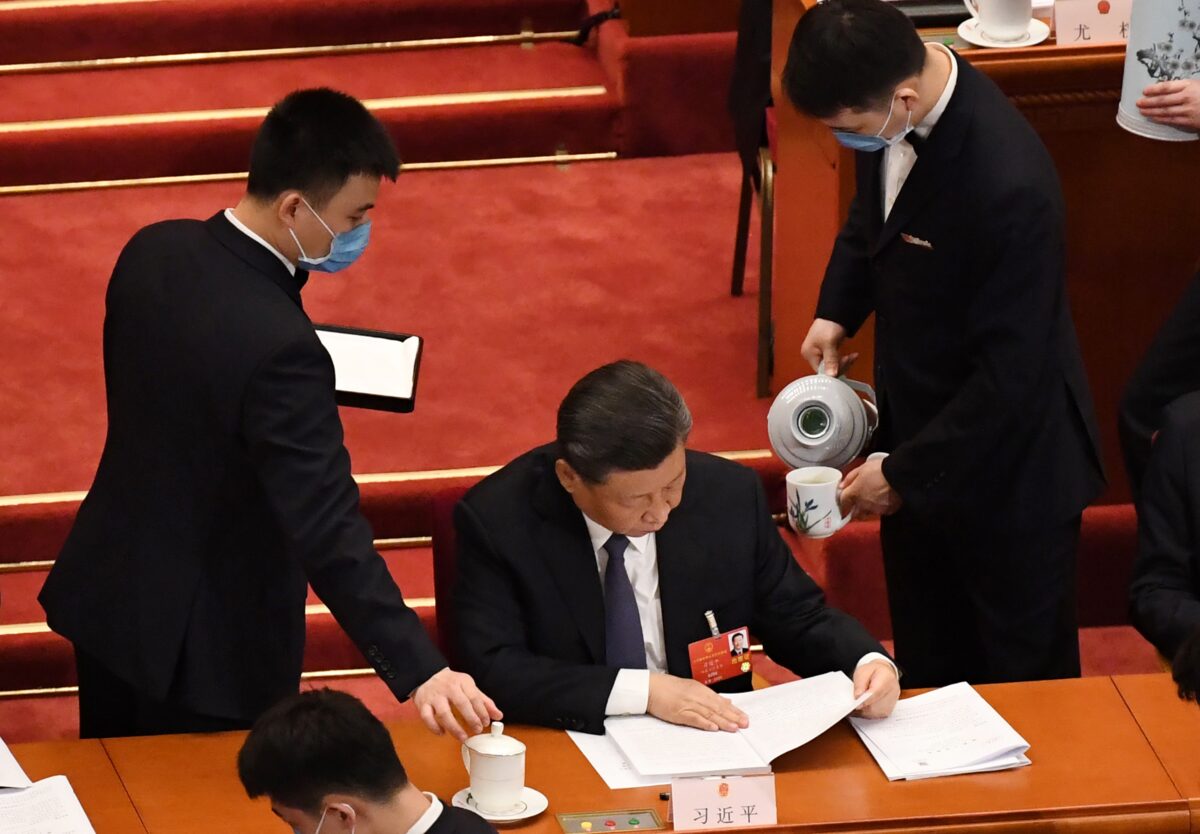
(821, 420)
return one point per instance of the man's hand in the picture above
(879, 678)
(438, 697)
(822, 348)
(867, 490)
(691, 703)
(1174, 103)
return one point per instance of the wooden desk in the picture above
(1173, 729)
(92, 776)
(1132, 219)
(1093, 771)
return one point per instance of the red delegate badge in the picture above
(722, 657)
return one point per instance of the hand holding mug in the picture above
(866, 490)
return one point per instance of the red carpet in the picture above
(80, 32)
(521, 280)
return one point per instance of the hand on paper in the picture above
(878, 677)
(438, 697)
(691, 703)
(822, 348)
(867, 491)
(1174, 103)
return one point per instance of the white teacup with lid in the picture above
(496, 765)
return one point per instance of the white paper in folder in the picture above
(372, 365)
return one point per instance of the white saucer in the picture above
(531, 804)
(970, 32)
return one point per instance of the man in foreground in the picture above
(328, 766)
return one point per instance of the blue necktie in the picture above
(624, 646)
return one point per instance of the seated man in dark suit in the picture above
(560, 638)
(328, 765)
(1165, 593)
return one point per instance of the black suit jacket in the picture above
(530, 605)
(460, 821)
(1165, 593)
(223, 485)
(984, 403)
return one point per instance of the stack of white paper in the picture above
(378, 366)
(942, 733)
(641, 750)
(47, 807)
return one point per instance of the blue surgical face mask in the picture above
(344, 249)
(858, 142)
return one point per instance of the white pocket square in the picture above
(916, 241)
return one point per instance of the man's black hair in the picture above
(850, 54)
(313, 141)
(318, 743)
(622, 416)
(1186, 667)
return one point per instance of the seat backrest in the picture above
(445, 570)
(1107, 549)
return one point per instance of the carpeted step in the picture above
(445, 104)
(72, 32)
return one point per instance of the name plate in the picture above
(708, 802)
(1091, 22)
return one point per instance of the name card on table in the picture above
(708, 802)
(1091, 22)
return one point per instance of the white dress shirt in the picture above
(899, 159)
(427, 819)
(244, 229)
(631, 690)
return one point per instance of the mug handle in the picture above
(848, 517)
(466, 759)
(972, 7)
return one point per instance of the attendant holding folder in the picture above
(224, 487)
(589, 570)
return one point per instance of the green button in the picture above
(635, 822)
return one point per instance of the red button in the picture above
(610, 823)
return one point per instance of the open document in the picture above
(782, 718)
(948, 731)
(11, 774)
(373, 369)
(47, 807)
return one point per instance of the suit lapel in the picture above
(257, 256)
(934, 168)
(564, 544)
(683, 571)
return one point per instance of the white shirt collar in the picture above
(427, 819)
(599, 535)
(927, 124)
(244, 229)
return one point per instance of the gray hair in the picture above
(622, 416)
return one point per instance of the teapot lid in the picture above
(819, 420)
(495, 743)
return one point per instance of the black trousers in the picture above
(982, 608)
(109, 707)
(1170, 369)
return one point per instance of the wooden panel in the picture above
(91, 774)
(670, 17)
(1173, 727)
(1133, 225)
(1079, 729)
